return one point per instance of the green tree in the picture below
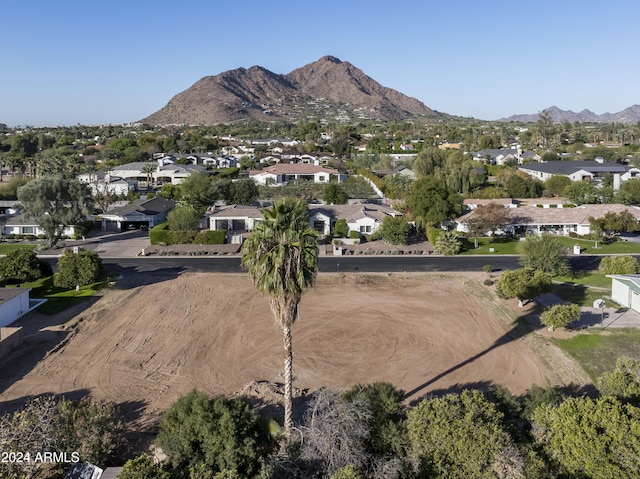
(222, 434)
(341, 229)
(560, 315)
(520, 187)
(623, 382)
(598, 439)
(198, 191)
(616, 222)
(545, 253)
(334, 194)
(347, 472)
(183, 217)
(582, 192)
(449, 243)
(523, 284)
(387, 425)
(79, 269)
(428, 160)
(243, 192)
(142, 467)
(629, 193)
(55, 203)
(95, 430)
(395, 230)
(281, 256)
(23, 266)
(432, 201)
(619, 265)
(557, 184)
(149, 169)
(457, 435)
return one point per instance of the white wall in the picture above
(13, 309)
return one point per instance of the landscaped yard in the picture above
(59, 299)
(6, 248)
(510, 246)
(598, 351)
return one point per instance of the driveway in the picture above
(595, 317)
(128, 244)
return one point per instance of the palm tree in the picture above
(149, 169)
(281, 256)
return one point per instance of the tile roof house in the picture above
(363, 217)
(282, 173)
(537, 219)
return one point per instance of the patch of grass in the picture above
(6, 248)
(588, 246)
(598, 351)
(59, 299)
(499, 245)
(586, 278)
(580, 294)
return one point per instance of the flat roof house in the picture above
(580, 170)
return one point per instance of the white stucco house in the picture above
(365, 218)
(14, 303)
(101, 182)
(625, 290)
(588, 170)
(282, 173)
(18, 224)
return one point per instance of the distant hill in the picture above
(328, 88)
(628, 115)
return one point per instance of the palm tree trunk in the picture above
(288, 379)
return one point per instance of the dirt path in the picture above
(147, 346)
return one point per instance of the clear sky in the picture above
(92, 62)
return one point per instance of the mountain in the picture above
(628, 115)
(326, 89)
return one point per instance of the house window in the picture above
(365, 229)
(28, 230)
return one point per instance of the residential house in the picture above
(281, 174)
(141, 214)
(18, 224)
(365, 218)
(625, 290)
(587, 170)
(101, 182)
(554, 219)
(165, 171)
(15, 303)
(504, 156)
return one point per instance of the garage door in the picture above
(635, 301)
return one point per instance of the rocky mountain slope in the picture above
(326, 89)
(628, 115)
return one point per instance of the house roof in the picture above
(532, 215)
(294, 169)
(486, 201)
(569, 167)
(7, 294)
(236, 211)
(150, 207)
(634, 279)
(353, 212)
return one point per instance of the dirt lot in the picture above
(144, 347)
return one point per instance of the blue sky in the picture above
(94, 62)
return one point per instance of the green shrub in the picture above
(159, 235)
(487, 268)
(354, 234)
(487, 282)
(433, 233)
(340, 229)
(211, 237)
(79, 269)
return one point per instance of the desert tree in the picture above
(523, 284)
(23, 266)
(79, 269)
(55, 203)
(623, 382)
(281, 256)
(544, 253)
(449, 243)
(560, 315)
(619, 265)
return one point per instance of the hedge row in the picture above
(162, 235)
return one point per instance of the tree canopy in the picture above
(23, 266)
(544, 253)
(432, 201)
(523, 284)
(55, 203)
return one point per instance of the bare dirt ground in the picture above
(144, 347)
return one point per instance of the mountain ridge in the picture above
(324, 88)
(628, 115)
